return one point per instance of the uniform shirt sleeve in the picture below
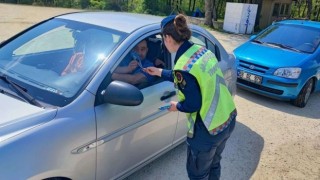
(191, 91)
(167, 75)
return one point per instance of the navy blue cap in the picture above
(166, 20)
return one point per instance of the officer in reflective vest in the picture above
(203, 96)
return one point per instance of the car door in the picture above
(317, 59)
(130, 135)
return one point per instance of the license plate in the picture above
(250, 77)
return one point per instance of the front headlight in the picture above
(292, 73)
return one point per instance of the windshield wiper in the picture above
(23, 92)
(11, 94)
(284, 46)
(257, 41)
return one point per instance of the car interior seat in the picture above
(155, 52)
(154, 49)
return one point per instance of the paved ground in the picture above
(272, 139)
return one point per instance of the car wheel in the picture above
(304, 94)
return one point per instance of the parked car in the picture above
(282, 62)
(84, 125)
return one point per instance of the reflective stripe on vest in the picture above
(217, 102)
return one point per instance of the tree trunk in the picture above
(214, 10)
(208, 13)
(193, 6)
(220, 7)
(304, 11)
(317, 10)
(309, 4)
(299, 8)
(316, 18)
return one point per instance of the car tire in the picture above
(304, 94)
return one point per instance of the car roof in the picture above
(126, 22)
(301, 22)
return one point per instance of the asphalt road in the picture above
(272, 139)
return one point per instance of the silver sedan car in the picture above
(62, 114)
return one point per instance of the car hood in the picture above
(17, 116)
(269, 56)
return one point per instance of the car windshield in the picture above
(54, 60)
(292, 37)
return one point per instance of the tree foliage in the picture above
(213, 9)
(306, 9)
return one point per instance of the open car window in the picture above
(144, 53)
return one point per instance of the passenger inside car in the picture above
(131, 70)
(90, 45)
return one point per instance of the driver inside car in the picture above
(131, 70)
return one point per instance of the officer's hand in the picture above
(173, 106)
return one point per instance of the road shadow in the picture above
(239, 159)
(242, 154)
(309, 111)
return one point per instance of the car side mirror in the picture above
(121, 93)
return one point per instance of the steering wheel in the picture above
(307, 46)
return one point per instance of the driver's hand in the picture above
(133, 65)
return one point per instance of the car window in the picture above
(198, 39)
(202, 41)
(59, 38)
(213, 48)
(294, 37)
(145, 53)
(54, 60)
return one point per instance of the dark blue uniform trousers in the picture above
(204, 152)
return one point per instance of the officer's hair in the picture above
(178, 29)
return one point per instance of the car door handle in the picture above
(167, 95)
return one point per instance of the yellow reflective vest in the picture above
(218, 108)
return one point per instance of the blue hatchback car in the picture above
(282, 61)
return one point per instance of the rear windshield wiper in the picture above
(21, 90)
(284, 46)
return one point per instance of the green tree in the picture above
(84, 4)
(97, 4)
